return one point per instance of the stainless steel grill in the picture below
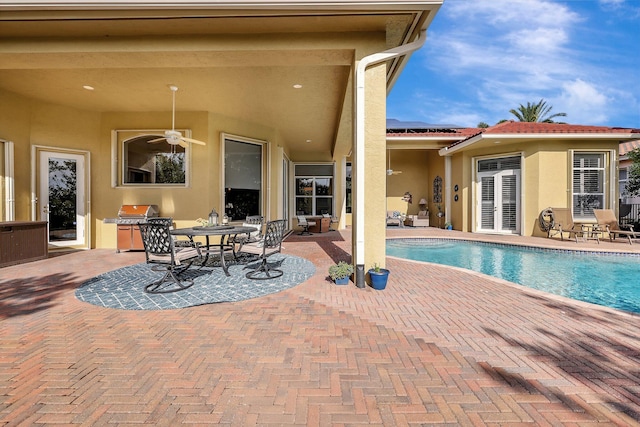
(129, 216)
(135, 214)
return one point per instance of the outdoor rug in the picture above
(124, 288)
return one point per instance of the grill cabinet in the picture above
(129, 216)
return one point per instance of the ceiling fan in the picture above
(389, 170)
(174, 137)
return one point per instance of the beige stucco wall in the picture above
(185, 205)
(545, 179)
(28, 122)
(15, 121)
(414, 165)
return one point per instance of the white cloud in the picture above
(585, 101)
(539, 40)
(503, 53)
(612, 2)
(512, 13)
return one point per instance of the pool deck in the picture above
(439, 346)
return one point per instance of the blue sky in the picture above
(485, 57)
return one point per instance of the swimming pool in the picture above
(606, 279)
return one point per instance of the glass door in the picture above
(62, 197)
(499, 196)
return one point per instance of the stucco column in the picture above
(374, 176)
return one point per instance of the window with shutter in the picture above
(588, 183)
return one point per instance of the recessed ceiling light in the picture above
(308, 141)
(297, 86)
(87, 87)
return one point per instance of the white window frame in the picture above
(120, 136)
(622, 182)
(314, 178)
(607, 185)
(266, 171)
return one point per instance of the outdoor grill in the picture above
(129, 216)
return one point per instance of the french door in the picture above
(62, 198)
(499, 196)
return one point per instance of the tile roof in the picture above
(625, 147)
(534, 127)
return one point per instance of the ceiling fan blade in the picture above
(396, 172)
(183, 144)
(193, 141)
(154, 141)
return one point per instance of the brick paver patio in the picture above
(439, 346)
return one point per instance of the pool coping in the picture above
(524, 288)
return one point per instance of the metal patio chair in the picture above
(270, 244)
(164, 255)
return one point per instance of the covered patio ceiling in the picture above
(237, 62)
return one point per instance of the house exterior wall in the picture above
(28, 122)
(414, 165)
(546, 178)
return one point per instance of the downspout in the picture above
(373, 59)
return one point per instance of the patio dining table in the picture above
(227, 235)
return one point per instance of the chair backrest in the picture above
(254, 219)
(156, 239)
(273, 234)
(606, 217)
(326, 215)
(302, 221)
(562, 217)
(161, 220)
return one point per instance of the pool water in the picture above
(611, 280)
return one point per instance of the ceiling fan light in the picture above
(173, 140)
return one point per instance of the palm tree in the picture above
(540, 112)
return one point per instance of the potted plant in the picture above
(341, 272)
(378, 276)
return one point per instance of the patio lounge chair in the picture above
(608, 222)
(563, 223)
(270, 244)
(161, 251)
(305, 224)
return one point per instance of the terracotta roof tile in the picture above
(625, 147)
(533, 127)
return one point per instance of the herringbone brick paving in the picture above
(439, 346)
